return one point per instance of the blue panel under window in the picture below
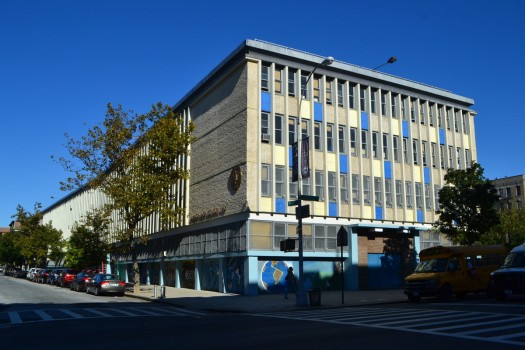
(388, 170)
(318, 111)
(280, 205)
(379, 213)
(420, 216)
(426, 175)
(290, 156)
(266, 101)
(343, 164)
(441, 136)
(364, 120)
(332, 209)
(405, 128)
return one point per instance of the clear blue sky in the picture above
(61, 62)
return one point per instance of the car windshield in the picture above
(515, 260)
(109, 277)
(432, 265)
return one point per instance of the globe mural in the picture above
(273, 275)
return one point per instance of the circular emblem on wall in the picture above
(236, 177)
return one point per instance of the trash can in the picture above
(162, 292)
(314, 297)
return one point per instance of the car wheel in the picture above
(445, 292)
(78, 287)
(413, 299)
(87, 290)
(97, 292)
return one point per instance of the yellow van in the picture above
(446, 271)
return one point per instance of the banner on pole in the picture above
(305, 158)
(295, 160)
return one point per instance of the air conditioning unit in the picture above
(266, 137)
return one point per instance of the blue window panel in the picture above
(280, 205)
(420, 216)
(332, 209)
(426, 175)
(405, 128)
(266, 101)
(388, 170)
(379, 213)
(343, 164)
(364, 120)
(441, 136)
(290, 156)
(318, 111)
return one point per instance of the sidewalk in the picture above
(220, 302)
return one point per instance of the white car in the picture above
(31, 273)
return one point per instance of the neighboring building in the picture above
(510, 190)
(379, 148)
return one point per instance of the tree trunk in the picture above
(136, 273)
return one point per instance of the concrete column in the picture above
(251, 276)
(222, 273)
(177, 274)
(197, 277)
(352, 281)
(148, 267)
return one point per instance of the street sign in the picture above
(342, 237)
(302, 212)
(305, 197)
(295, 202)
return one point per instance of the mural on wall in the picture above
(188, 274)
(235, 283)
(325, 275)
(209, 275)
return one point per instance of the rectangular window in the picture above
(291, 82)
(428, 199)
(265, 77)
(317, 86)
(342, 139)
(292, 186)
(408, 193)
(340, 93)
(395, 142)
(364, 143)
(399, 193)
(279, 129)
(317, 136)
(415, 150)
(424, 152)
(356, 189)
(442, 156)
(459, 158)
(351, 96)
(265, 126)
(436, 197)
(431, 115)
(375, 145)
(419, 195)
(406, 153)
(304, 128)
(292, 124)
(373, 98)
(422, 113)
(394, 105)
(343, 186)
(465, 123)
(385, 147)
(468, 159)
(266, 180)
(383, 103)
(278, 80)
(433, 150)
(456, 121)
(378, 192)
(319, 184)
(413, 111)
(328, 90)
(388, 192)
(353, 141)
(280, 182)
(331, 186)
(362, 98)
(329, 137)
(450, 156)
(404, 107)
(440, 116)
(449, 122)
(307, 186)
(367, 194)
(304, 87)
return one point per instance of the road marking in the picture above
(71, 313)
(43, 315)
(14, 317)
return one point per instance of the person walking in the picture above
(290, 282)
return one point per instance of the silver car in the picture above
(105, 283)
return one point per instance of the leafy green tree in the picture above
(510, 231)
(9, 251)
(467, 205)
(37, 243)
(134, 159)
(88, 244)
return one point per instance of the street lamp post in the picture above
(390, 61)
(301, 295)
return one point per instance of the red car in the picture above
(67, 276)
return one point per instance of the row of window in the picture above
(385, 146)
(392, 193)
(373, 100)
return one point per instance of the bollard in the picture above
(154, 291)
(162, 291)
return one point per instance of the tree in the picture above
(9, 252)
(467, 205)
(37, 243)
(135, 160)
(88, 244)
(510, 231)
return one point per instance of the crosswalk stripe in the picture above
(71, 313)
(43, 315)
(97, 312)
(14, 317)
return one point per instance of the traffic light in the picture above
(288, 245)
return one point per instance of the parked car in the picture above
(65, 278)
(80, 281)
(105, 283)
(43, 275)
(31, 273)
(53, 276)
(36, 274)
(20, 273)
(510, 278)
